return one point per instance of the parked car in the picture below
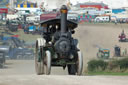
(102, 19)
(13, 25)
(21, 53)
(2, 24)
(2, 59)
(72, 17)
(3, 54)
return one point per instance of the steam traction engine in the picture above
(57, 47)
(122, 37)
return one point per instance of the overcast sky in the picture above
(111, 3)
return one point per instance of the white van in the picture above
(12, 16)
(102, 19)
(72, 17)
(33, 18)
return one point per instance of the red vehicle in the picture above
(50, 15)
(122, 37)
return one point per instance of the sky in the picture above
(110, 3)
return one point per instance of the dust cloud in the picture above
(53, 4)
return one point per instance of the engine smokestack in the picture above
(63, 11)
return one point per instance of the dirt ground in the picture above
(95, 36)
(21, 72)
(91, 36)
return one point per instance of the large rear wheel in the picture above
(47, 63)
(38, 60)
(79, 63)
(76, 69)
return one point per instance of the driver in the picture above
(46, 33)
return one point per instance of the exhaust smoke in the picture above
(55, 4)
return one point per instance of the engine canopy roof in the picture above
(57, 21)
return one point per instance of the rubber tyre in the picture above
(99, 54)
(19, 57)
(1, 65)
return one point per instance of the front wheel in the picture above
(72, 69)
